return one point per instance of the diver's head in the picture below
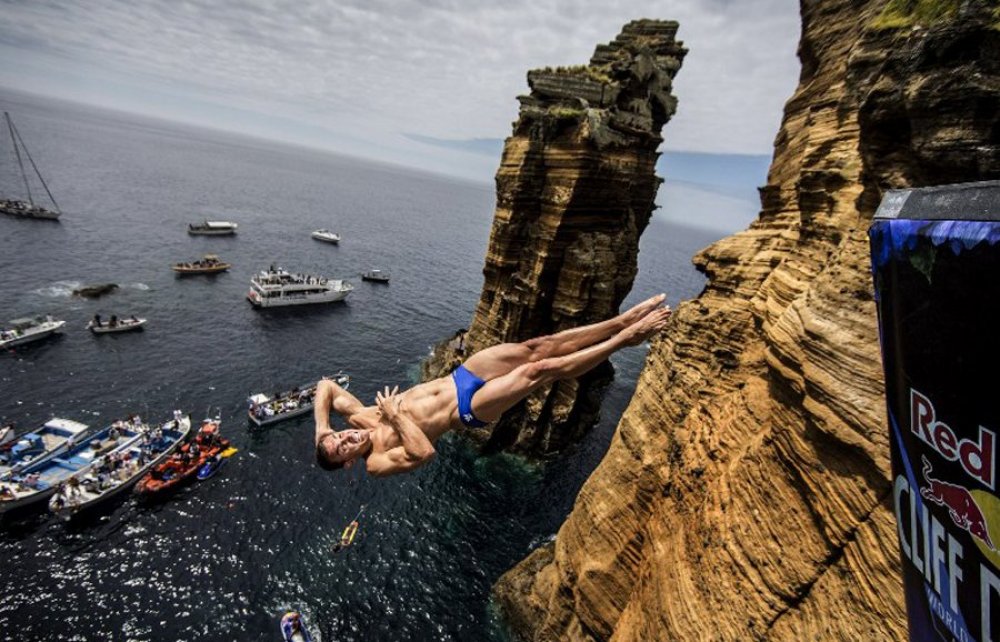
(340, 449)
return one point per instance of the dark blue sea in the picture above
(223, 559)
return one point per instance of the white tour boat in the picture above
(326, 236)
(277, 287)
(29, 329)
(212, 228)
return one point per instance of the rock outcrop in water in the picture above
(575, 190)
(95, 291)
(746, 493)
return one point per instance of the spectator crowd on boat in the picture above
(282, 403)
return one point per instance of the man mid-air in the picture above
(397, 434)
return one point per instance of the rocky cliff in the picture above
(746, 492)
(575, 189)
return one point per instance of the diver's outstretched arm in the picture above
(331, 397)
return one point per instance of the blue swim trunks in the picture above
(467, 384)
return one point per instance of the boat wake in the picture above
(59, 289)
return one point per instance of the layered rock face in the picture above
(746, 493)
(575, 190)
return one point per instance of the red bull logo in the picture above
(962, 508)
(976, 456)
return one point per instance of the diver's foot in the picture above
(638, 311)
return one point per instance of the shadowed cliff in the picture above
(575, 190)
(746, 492)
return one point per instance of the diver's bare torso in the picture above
(432, 405)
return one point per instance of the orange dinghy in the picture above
(183, 465)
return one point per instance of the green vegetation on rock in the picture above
(563, 112)
(596, 74)
(909, 13)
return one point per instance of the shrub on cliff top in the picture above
(908, 13)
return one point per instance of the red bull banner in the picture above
(936, 265)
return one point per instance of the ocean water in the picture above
(223, 559)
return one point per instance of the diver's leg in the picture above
(501, 359)
(502, 393)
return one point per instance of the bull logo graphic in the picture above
(962, 508)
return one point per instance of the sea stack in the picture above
(746, 494)
(575, 190)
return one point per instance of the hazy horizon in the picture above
(389, 81)
(728, 180)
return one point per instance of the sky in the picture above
(428, 84)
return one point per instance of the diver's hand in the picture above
(389, 403)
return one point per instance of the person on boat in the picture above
(397, 435)
(97, 320)
(113, 322)
(72, 487)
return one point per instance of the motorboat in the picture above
(212, 228)
(39, 480)
(208, 264)
(101, 484)
(51, 440)
(293, 628)
(326, 236)
(115, 325)
(266, 410)
(29, 329)
(277, 287)
(377, 276)
(183, 465)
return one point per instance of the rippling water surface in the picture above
(223, 559)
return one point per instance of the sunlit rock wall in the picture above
(746, 493)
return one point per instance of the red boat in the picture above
(183, 465)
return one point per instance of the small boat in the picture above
(350, 532)
(277, 287)
(38, 481)
(97, 486)
(265, 410)
(378, 276)
(182, 466)
(19, 208)
(210, 467)
(115, 325)
(208, 264)
(326, 236)
(293, 628)
(212, 228)
(51, 440)
(29, 329)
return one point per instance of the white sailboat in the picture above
(17, 207)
